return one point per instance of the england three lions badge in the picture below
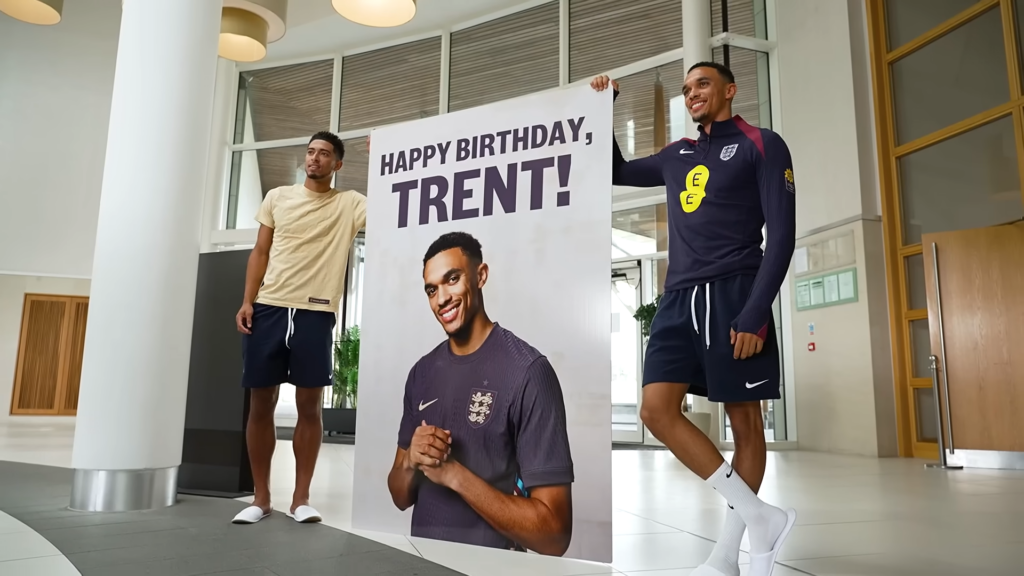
(481, 404)
(729, 151)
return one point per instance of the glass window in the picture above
(650, 112)
(354, 170)
(753, 99)
(742, 17)
(917, 295)
(625, 348)
(256, 172)
(953, 78)
(284, 102)
(1019, 10)
(968, 181)
(607, 34)
(390, 85)
(908, 19)
(354, 290)
(504, 58)
(927, 420)
(920, 349)
(635, 232)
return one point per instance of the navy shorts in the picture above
(288, 345)
(689, 344)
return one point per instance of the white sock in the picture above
(765, 522)
(726, 556)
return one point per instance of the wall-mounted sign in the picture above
(829, 289)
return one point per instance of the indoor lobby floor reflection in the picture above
(857, 516)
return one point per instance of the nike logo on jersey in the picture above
(756, 384)
(686, 151)
(422, 405)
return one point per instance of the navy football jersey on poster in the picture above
(504, 407)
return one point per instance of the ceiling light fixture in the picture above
(247, 26)
(376, 13)
(43, 12)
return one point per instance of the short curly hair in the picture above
(333, 140)
(469, 245)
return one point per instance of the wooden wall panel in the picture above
(76, 348)
(50, 348)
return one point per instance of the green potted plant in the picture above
(341, 416)
(645, 315)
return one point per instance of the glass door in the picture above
(627, 352)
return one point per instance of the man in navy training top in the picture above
(713, 334)
(483, 423)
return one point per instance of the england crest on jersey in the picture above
(481, 402)
(729, 151)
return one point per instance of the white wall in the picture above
(55, 89)
(846, 403)
(845, 395)
(12, 301)
(818, 109)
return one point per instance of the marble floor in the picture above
(858, 516)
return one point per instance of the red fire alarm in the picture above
(810, 347)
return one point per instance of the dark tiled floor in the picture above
(192, 538)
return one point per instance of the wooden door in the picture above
(981, 283)
(50, 350)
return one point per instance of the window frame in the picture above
(889, 154)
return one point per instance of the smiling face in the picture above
(321, 161)
(453, 284)
(708, 95)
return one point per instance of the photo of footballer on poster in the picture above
(484, 408)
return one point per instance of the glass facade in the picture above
(530, 50)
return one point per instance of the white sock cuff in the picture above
(735, 491)
(715, 479)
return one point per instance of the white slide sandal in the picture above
(305, 514)
(250, 515)
(764, 564)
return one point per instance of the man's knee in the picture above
(658, 409)
(262, 402)
(309, 403)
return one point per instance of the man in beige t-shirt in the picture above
(293, 286)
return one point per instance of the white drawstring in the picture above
(291, 327)
(707, 313)
(693, 309)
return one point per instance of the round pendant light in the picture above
(243, 35)
(247, 26)
(376, 13)
(43, 12)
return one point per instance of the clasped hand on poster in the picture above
(430, 453)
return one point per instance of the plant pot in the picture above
(339, 420)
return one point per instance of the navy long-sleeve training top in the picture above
(722, 190)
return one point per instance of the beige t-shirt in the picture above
(313, 235)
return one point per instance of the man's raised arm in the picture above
(642, 172)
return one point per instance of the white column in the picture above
(696, 40)
(697, 48)
(131, 410)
